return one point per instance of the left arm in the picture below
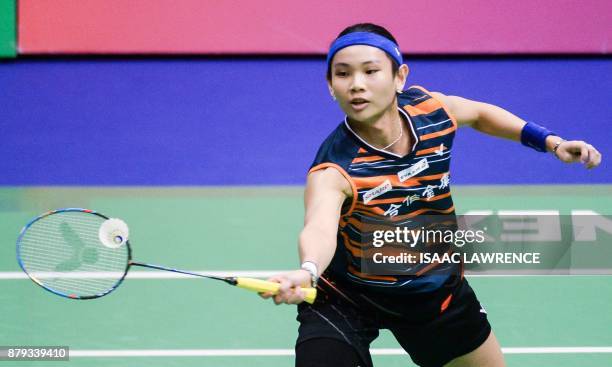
(496, 121)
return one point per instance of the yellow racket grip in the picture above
(260, 286)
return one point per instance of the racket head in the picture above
(60, 251)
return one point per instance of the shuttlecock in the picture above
(113, 233)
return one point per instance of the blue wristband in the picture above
(534, 136)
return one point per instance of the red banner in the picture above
(307, 27)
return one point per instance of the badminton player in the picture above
(389, 160)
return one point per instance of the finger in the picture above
(584, 153)
(297, 296)
(275, 279)
(285, 287)
(571, 157)
(569, 152)
(590, 156)
(594, 157)
(284, 291)
(598, 159)
(290, 296)
(278, 299)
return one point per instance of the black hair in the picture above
(372, 28)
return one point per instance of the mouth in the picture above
(359, 103)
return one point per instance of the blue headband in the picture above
(365, 38)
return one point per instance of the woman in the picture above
(389, 161)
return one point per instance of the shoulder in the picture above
(417, 100)
(330, 177)
(464, 110)
(416, 94)
(337, 149)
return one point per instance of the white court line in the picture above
(12, 275)
(9, 275)
(182, 353)
(290, 352)
(558, 350)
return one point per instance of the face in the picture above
(363, 83)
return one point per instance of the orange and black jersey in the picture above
(388, 188)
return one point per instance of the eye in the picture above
(341, 74)
(372, 71)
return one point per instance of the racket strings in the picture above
(63, 252)
(50, 254)
(47, 259)
(80, 288)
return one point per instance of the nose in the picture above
(358, 82)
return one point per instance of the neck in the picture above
(383, 131)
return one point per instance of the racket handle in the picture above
(259, 285)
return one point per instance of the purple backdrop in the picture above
(260, 121)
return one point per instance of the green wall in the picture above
(8, 32)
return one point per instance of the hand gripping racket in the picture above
(81, 254)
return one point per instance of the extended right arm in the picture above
(326, 191)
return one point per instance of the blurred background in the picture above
(196, 121)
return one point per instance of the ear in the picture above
(331, 90)
(400, 78)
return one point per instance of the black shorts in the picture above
(433, 328)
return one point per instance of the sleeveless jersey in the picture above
(390, 188)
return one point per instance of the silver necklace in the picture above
(399, 137)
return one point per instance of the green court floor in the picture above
(255, 229)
